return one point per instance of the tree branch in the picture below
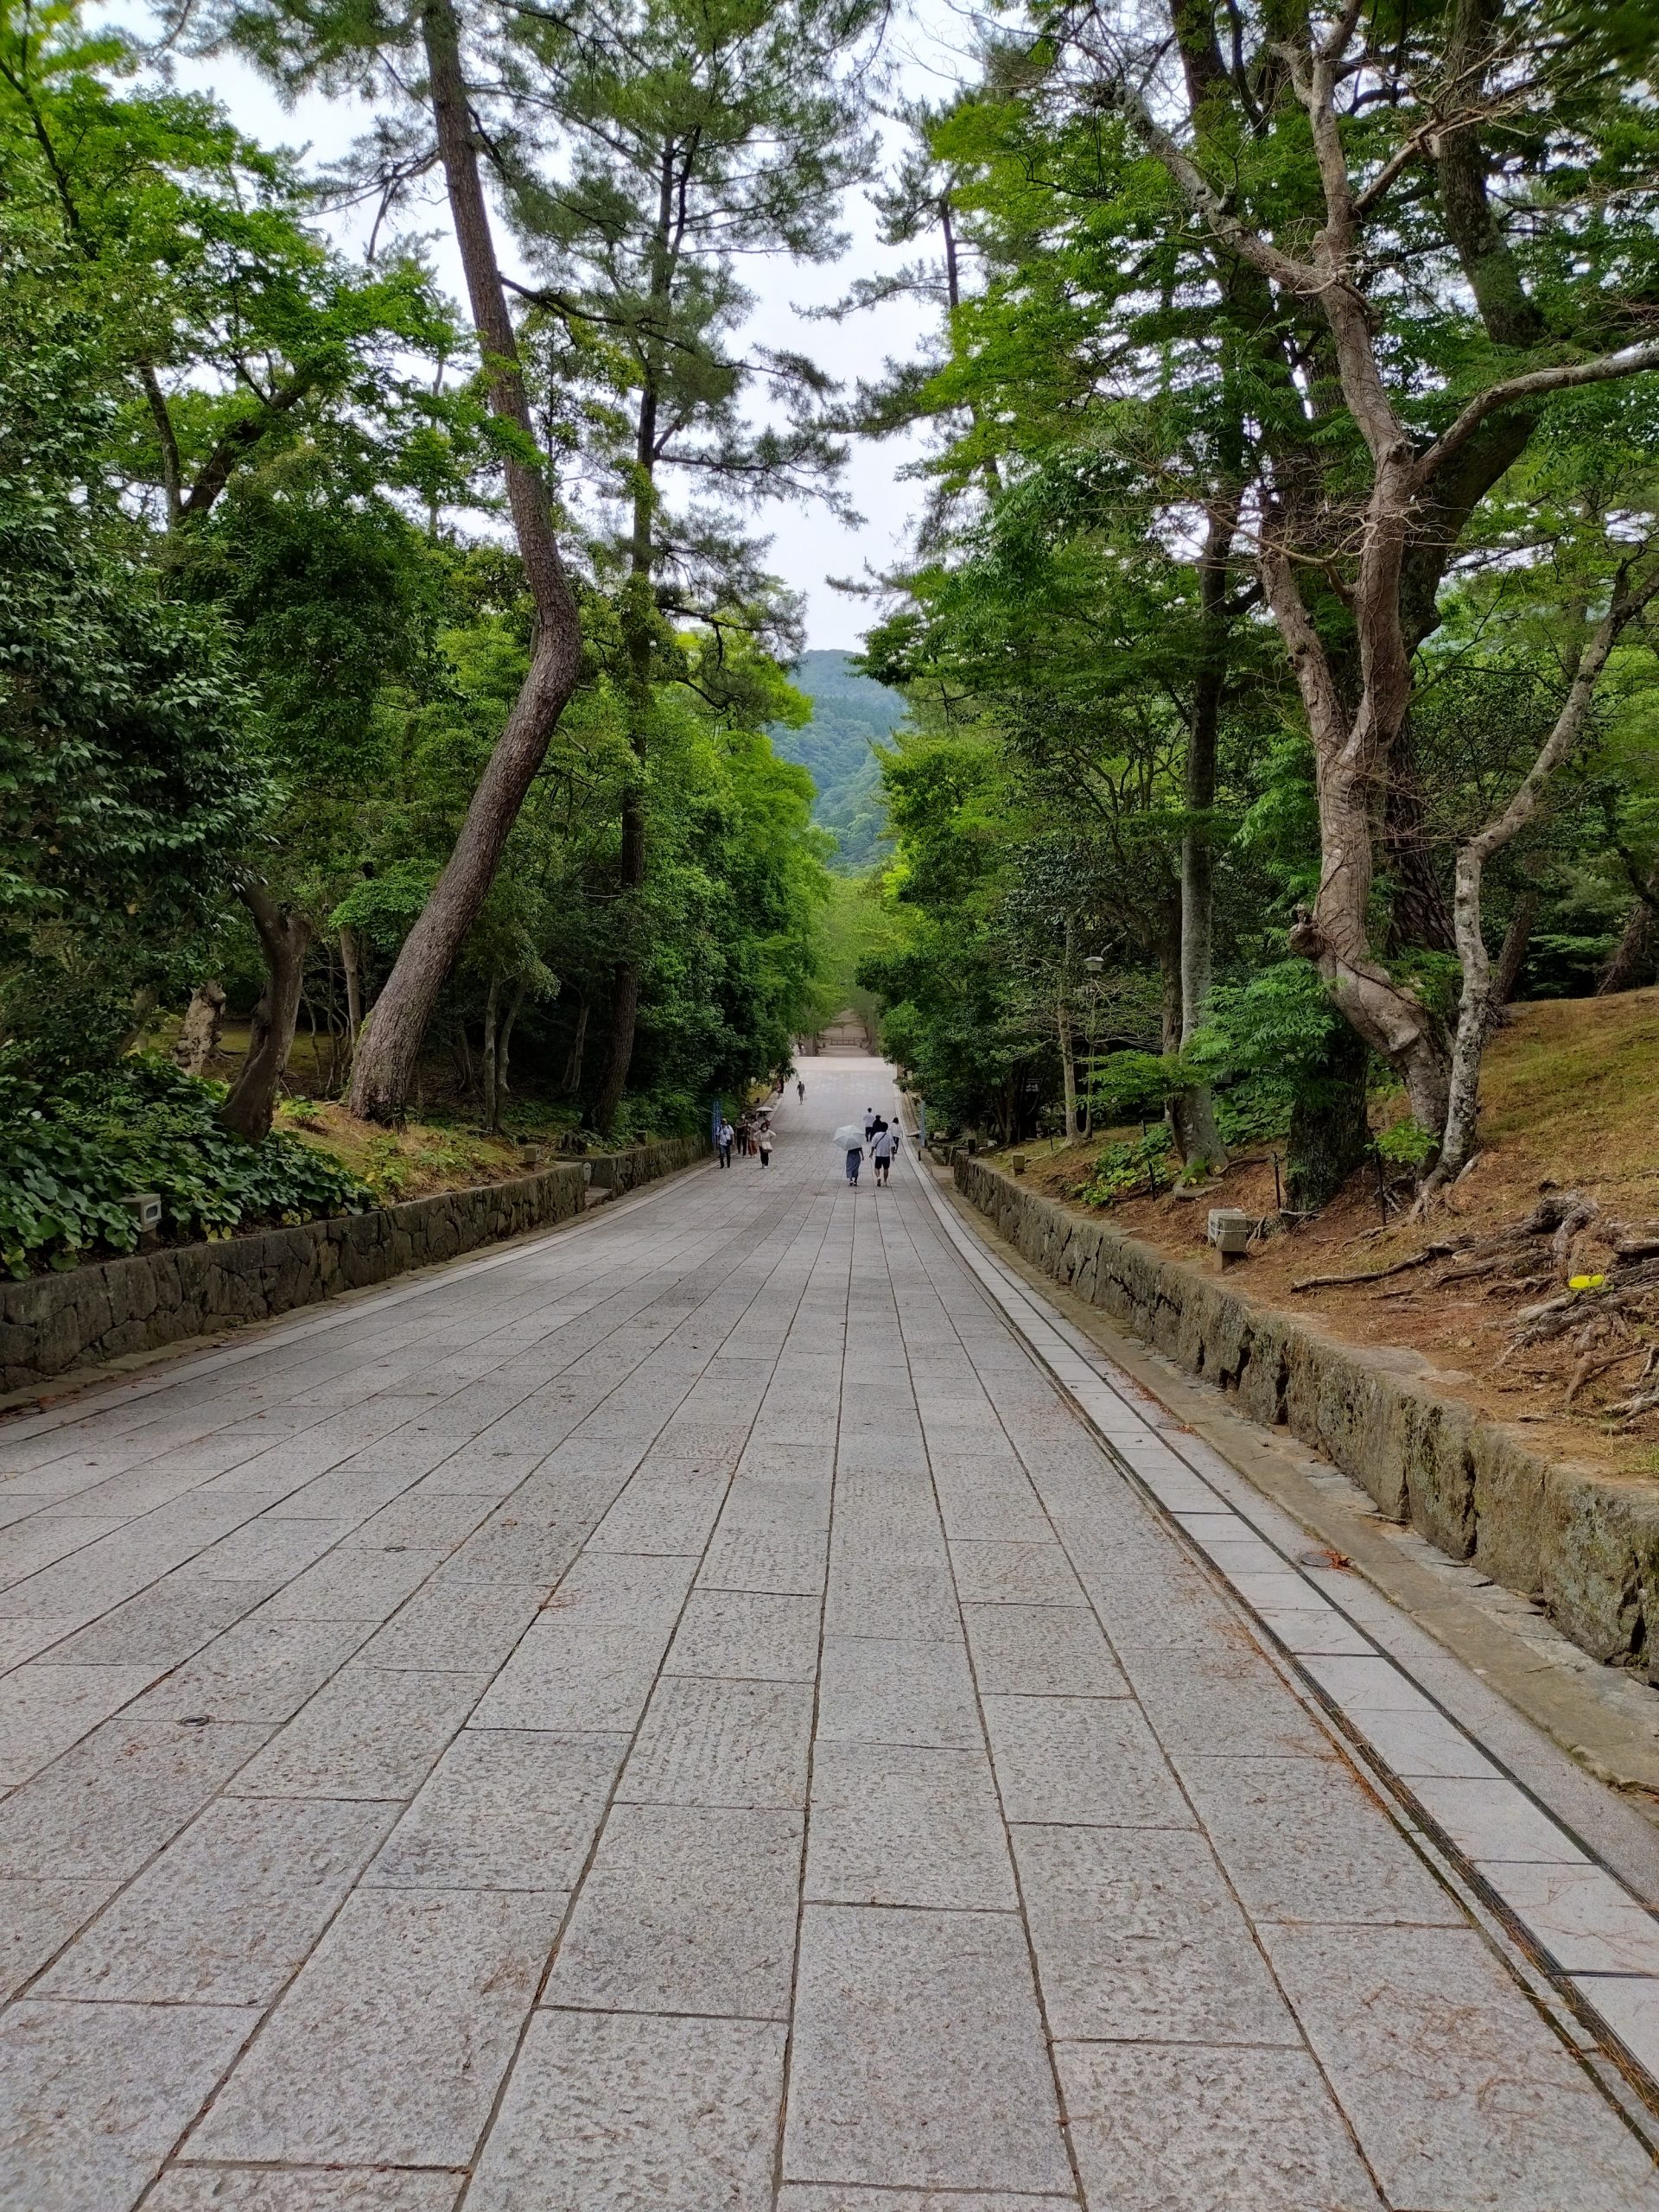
(1536, 383)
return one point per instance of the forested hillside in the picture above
(1279, 643)
(850, 716)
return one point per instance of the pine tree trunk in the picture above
(283, 936)
(570, 1082)
(391, 1043)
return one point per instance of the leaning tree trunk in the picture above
(283, 936)
(391, 1040)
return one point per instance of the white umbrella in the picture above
(851, 1139)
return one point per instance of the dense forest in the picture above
(397, 694)
(1279, 644)
(387, 670)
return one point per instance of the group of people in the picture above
(880, 1141)
(753, 1135)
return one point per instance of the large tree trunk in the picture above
(391, 1040)
(283, 936)
(1329, 1134)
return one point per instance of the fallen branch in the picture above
(1429, 1253)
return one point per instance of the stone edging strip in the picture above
(1591, 1939)
(1585, 1544)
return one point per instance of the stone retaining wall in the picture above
(90, 1315)
(1583, 1543)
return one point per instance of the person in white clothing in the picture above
(882, 1147)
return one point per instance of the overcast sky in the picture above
(809, 544)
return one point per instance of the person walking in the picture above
(800, 1092)
(882, 1147)
(854, 1161)
(765, 1144)
(869, 1123)
(724, 1137)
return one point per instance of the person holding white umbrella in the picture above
(851, 1140)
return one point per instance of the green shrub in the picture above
(68, 1156)
(1123, 1169)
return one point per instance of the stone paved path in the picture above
(685, 1717)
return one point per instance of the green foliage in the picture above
(1406, 1144)
(69, 1155)
(126, 786)
(1127, 1169)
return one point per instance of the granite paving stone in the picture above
(504, 1808)
(685, 1910)
(391, 2044)
(37, 1918)
(1139, 1939)
(884, 1690)
(370, 1732)
(918, 2058)
(1460, 2096)
(1025, 1573)
(257, 1670)
(1090, 1760)
(1165, 2128)
(93, 2097)
(746, 1635)
(530, 1709)
(453, 1629)
(627, 2113)
(47, 1705)
(716, 1742)
(1041, 1651)
(893, 1824)
(120, 1793)
(229, 1910)
(299, 2188)
(575, 1673)
(1307, 1839)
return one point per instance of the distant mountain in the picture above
(850, 714)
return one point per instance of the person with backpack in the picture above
(883, 1145)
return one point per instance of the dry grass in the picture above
(1568, 1098)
